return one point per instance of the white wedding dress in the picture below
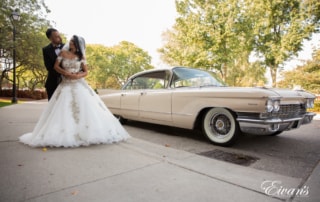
(75, 116)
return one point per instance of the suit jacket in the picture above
(49, 57)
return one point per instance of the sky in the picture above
(141, 22)
(109, 22)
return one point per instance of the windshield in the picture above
(185, 77)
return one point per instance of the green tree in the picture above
(281, 26)
(306, 76)
(30, 38)
(110, 67)
(210, 35)
(128, 59)
(99, 65)
(223, 34)
(247, 74)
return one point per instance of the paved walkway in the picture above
(134, 171)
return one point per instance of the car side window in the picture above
(140, 83)
(178, 82)
(152, 80)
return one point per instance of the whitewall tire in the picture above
(220, 126)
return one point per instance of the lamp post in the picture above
(15, 16)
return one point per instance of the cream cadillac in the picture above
(196, 99)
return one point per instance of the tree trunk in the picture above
(1, 80)
(223, 72)
(273, 71)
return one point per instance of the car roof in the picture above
(156, 70)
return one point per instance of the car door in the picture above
(156, 104)
(129, 99)
(130, 104)
(155, 99)
(146, 97)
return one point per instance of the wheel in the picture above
(220, 126)
(275, 133)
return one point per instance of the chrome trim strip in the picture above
(269, 121)
(275, 120)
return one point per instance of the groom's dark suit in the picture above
(53, 78)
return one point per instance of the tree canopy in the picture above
(306, 76)
(30, 37)
(225, 34)
(110, 67)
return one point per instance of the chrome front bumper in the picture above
(270, 126)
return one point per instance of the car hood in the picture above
(291, 93)
(245, 92)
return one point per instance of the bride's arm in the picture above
(58, 68)
(84, 71)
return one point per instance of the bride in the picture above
(75, 115)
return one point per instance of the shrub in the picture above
(316, 107)
(37, 94)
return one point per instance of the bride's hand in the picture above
(75, 76)
(69, 75)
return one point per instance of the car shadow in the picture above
(245, 142)
(169, 130)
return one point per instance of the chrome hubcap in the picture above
(220, 124)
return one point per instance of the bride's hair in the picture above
(80, 45)
(79, 49)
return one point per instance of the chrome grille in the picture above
(290, 111)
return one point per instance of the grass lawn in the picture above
(4, 103)
(7, 101)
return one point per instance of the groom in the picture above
(50, 54)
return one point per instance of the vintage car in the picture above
(197, 99)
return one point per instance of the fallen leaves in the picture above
(74, 193)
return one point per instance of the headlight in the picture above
(276, 105)
(310, 103)
(269, 106)
(273, 105)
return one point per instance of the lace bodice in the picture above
(71, 65)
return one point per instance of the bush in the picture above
(316, 107)
(37, 94)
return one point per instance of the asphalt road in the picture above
(293, 153)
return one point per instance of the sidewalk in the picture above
(135, 171)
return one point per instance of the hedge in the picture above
(37, 94)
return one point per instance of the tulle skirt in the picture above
(75, 116)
